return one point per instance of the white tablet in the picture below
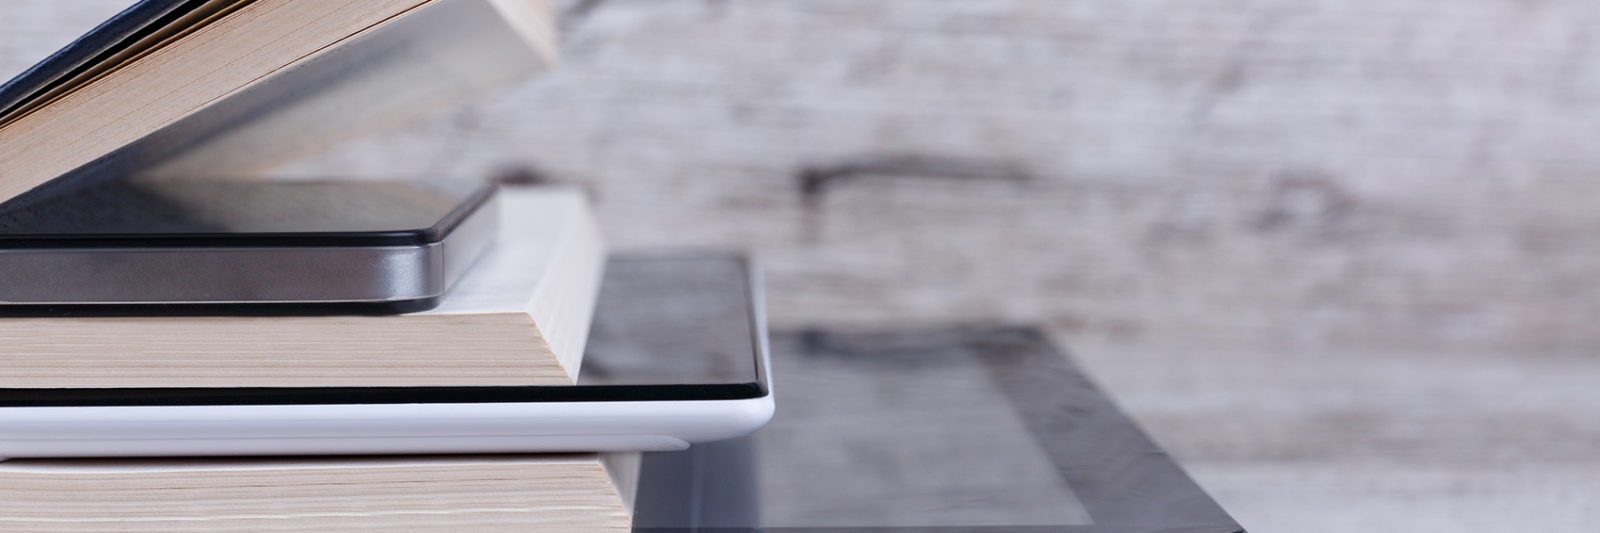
(677, 354)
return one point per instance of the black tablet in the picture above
(378, 246)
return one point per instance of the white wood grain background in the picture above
(1339, 256)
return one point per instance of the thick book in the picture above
(519, 316)
(557, 493)
(209, 88)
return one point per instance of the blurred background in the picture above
(1335, 256)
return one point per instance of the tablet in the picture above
(677, 354)
(325, 246)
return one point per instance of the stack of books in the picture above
(198, 88)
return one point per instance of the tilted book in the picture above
(209, 88)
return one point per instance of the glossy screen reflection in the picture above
(874, 434)
(900, 430)
(957, 430)
(672, 320)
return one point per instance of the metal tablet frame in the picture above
(399, 270)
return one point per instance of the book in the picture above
(519, 316)
(558, 493)
(229, 87)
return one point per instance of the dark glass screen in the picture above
(682, 319)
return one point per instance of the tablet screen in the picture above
(671, 319)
